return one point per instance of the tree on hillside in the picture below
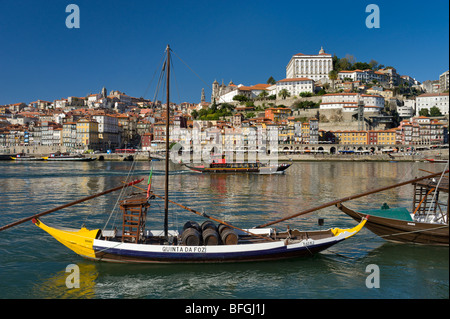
(284, 94)
(240, 98)
(343, 64)
(361, 66)
(333, 75)
(263, 94)
(435, 111)
(271, 80)
(424, 112)
(373, 64)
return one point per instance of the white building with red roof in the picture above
(429, 100)
(348, 102)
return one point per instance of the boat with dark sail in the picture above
(214, 241)
(426, 224)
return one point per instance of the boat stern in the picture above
(349, 232)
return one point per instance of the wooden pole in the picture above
(69, 204)
(166, 187)
(337, 201)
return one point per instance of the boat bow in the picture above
(81, 241)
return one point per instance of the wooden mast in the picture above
(166, 189)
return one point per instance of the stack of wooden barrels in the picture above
(208, 234)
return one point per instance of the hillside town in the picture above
(323, 101)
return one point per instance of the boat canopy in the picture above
(395, 213)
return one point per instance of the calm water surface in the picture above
(33, 264)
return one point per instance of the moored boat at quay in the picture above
(68, 157)
(23, 157)
(6, 157)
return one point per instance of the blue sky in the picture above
(120, 43)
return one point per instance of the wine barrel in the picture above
(192, 224)
(191, 237)
(222, 227)
(210, 237)
(229, 236)
(208, 224)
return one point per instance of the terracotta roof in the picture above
(294, 79)
(433, 94)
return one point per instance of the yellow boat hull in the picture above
(81, 241)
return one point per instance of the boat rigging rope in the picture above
(436, 190)
(133, 164)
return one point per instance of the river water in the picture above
(33, 264)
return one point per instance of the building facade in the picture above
(443, 82)
(295, 86)
(87, 133)
(348, 102)
(108, 131)
(314, 67)
(429, 100)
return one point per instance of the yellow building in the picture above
(351, 137)
(386, 137)
(87, 133)
(305, 132)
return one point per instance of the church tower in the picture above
(104, 92)
(215, 91)
(202, 100)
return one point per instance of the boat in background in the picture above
(427, 224)
(23, 157)
(432, 160)
(6, 157)
(68, 157)
(219, 165)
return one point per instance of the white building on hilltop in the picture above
(314, 67)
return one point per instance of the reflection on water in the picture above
(32, 264)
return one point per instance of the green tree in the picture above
(194, 114)
(373, 64)
(240, 98)
(321, 92)
(435, 111)
(361, 66)
(424, 112)
(284, 94)
(271, 80)
(333, 75)
(263, 94)
(343, 64)
(305, 94)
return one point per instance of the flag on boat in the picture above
(149, 182)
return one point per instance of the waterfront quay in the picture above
(346, 153)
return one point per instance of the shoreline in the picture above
(395, 157)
